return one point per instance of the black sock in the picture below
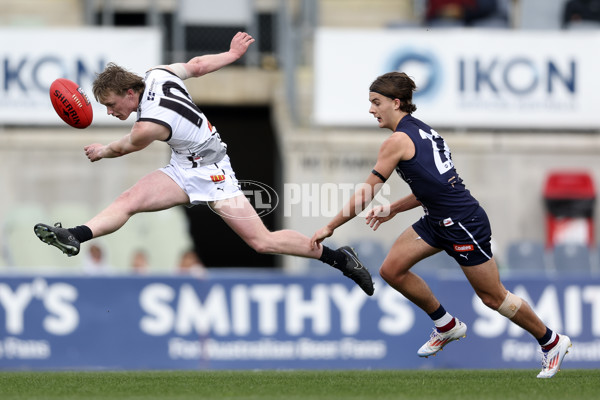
(82, 233)
(546, 338)
(437, 314)
(335, 258)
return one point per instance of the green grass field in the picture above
(305, 385)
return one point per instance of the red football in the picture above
(71, 103)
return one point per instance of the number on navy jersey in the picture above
(441, 151)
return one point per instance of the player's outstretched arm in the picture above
(357, 203)
(206, 64)
(142, 134)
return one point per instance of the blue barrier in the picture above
(251, 320)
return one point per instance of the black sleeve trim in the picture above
(158, 121)
(377, 174)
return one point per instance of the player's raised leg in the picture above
(239, 214)
(155, 191)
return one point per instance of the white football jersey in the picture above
(194, 141)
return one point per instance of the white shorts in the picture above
(208, 183)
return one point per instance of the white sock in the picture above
(445, 320)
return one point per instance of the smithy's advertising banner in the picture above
(265, 320)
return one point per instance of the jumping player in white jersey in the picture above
(199, 172)
(453, 221)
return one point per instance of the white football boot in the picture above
(552, 359)
(438, 339)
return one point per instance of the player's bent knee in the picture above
(510, 305)
(386, 273)
(126, 203)
(390, 275)
(383, 274)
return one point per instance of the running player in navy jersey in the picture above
(199, 171)
(453, 222)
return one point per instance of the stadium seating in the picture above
(70, 213)
(19, 240)
(572, 258)
(540, 14)
(162, 235)
(526, 256)
(166, 238)
(21, 248)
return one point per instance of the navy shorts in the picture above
(468, 241)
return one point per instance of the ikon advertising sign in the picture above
(465, 78)
(31, 59)
(266, 320)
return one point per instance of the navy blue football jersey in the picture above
(431, 174)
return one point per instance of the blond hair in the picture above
(117, 80)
